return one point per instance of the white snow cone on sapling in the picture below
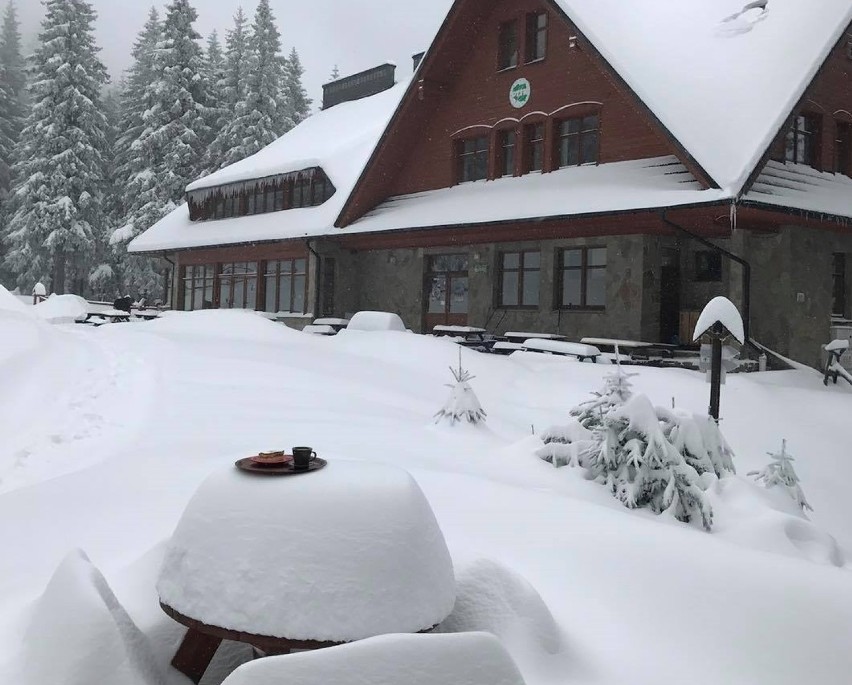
(781, 474)
(462, 404)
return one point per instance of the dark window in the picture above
(198, 287)
(802, 141)
(708, 266)
(508, 51)
(536, 38)
(843, 148)
(508, 140)
(534, 147)
(839, 284)
(583, 278)
(285, 286)
(520, 279)
(447, 285)
(579, 140)
(472, 159)
(238, 285)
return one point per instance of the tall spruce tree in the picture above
(260, 117)
(169, 150)
(231, 92)
(134, 170)
(59, 167)
(12, 85)
(214, 73)
(296, 96)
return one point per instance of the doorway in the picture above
(670, 286)
(446, 291)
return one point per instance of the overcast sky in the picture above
(354, 34)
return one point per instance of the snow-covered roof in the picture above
(620, 186)
(722, 80)
(459, 658)
(797, 186)
(340, 140)
(347, 552)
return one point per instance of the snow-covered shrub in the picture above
(643, 468)
(566, 445)
(462, 404)
(616, 391)
(781, 474)
(699, 440)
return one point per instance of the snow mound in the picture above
(469, 659)
(376, 321)
(720, 309)
(80, 634)
(62, 309)
(10, 303)
(494, 599)
(229, 324)
(754, 517)
(347, 552)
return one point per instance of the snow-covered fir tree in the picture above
(335, 74)
(296, 97)
(462, 404)
(616, 391)
(643, 469)
(260, 117)
(214, 73)
(231, 91)
(781, 474)
(134, 168)
(12, 85)
(59, 166)
(168, 151)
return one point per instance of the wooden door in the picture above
(446, 291)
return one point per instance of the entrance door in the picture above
(446, 291)
(670, 297)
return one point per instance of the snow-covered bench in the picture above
(566, 349)
(833, 368)
(319, 329)
(505, 348)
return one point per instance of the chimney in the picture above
(357, 86)
(417, 59)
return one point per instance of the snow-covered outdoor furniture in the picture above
(319, 329)
(566, 349)
(466, 336)
(376, 321)
(337, 324)
(522, 336)
(303, 562)
(60, 309)
(505, 348)
(457, 659)
(833, 367)
(633, 348)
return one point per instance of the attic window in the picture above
(508, 45)
(802, 140)
(536, 36)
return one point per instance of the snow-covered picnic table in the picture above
(567, 349)
(302, 562)
(631, 346)
(521, 336)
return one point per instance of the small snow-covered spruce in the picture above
(699, 440)
(781, 474)
(617, 391)
(462, 404)
(643, 469)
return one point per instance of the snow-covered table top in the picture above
(344, 553)
(614, 341)
(457, 658)
(521, 335)
(331, 321)
(319, 329)
(458, 329)
(562, 347)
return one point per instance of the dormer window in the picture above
(536, 36)
(306, 188)
(507, 56)
(801, 146)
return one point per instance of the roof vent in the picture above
(357, 86)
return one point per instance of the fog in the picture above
(354, 35)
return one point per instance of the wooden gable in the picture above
(460, 92)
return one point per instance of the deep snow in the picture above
(109, 431)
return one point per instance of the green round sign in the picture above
(520, 93)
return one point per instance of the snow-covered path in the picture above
(637, 597)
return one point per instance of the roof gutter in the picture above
(731, 257)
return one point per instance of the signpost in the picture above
(719, 322)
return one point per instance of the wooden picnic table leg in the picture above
(195, 654)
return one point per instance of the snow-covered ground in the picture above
(107, 432)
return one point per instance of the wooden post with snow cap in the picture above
(719, 321)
